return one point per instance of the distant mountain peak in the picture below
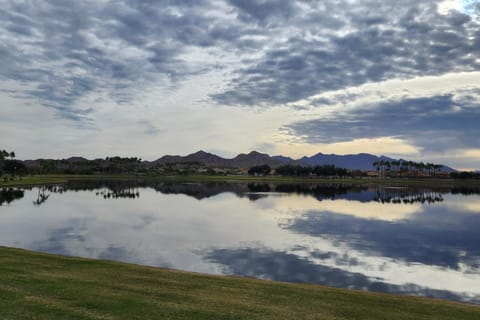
(201, 153)
(76, 159)
(283, 158)
(252, 154)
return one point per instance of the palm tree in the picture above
(428, 167)
(417, 167)
(421, 167)
(388, 166)
(4, 154)
(376, 164)
(409, 165)
(436, 167)
(396, 163)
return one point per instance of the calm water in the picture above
(417, 241)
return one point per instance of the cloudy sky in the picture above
(147, 78)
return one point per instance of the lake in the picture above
(417, 240)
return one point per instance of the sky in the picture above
(149, 78)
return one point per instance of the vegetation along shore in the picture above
(33, 180)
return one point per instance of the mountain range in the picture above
(361, 161)
(211, 160)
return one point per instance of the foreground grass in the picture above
(41, 286)
(56, 179)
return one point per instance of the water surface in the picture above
(417, 241)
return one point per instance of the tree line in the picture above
(299, 171)
(465, 175)
(400, 166)
(109, 165)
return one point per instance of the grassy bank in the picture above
(41, 286)
(33, 180)
(55, 179)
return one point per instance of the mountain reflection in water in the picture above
(407, 240)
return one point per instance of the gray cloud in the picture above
(265, 12)
(65, 50)
(288, 50)
(433, 123)
(396, 40)
(149, 128)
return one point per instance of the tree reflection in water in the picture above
(42, 196)
(130, 193)
(407, 195)
(116, 189)
(7, 195)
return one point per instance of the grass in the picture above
(56, 178)
(33, 180)
(43, 286)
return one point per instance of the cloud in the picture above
(67, 50)
(401, 40)
(149, 128)
(433, 123)
(288, 50)
(265, 12)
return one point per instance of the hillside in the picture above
(205, 158)
(361, 161)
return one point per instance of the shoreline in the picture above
(34, 180)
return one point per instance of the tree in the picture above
(382, 167)
(398, 164)
(436, 168)
(388, 166)
(378, 166)
(3, 159)
(47, 166)
(259, 170)
(14, 167)
(4, 154)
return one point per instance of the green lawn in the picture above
(42, 286)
